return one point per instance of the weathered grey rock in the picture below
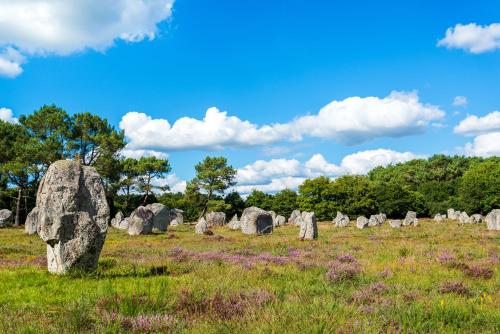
(117, 221)
(376, 220)
(341, 220)
(161, 218)
(308, 226)
(234, 223)
(476, 219)
(464, 218)
(362, 222)
(176, 217)
(280, 220)
(6, 218)
(30, 226)
(141, 221)
(410, 219)
(293, 217)
(395, 223)
(72, 216)
(256, 221)
(201, 226)
(215, 219)
(493, 220)
(452, 214)
(439, 218)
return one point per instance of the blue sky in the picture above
(266, 63)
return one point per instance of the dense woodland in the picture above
(427, 186)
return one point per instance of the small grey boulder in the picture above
(215, 219)
(141, 221)
(464, 218)
(30, 226)
(176, 217)
(362, 222)
(293, 217)
(201, 226)
(493, 220)
(410, 219)
(161, 218)
(256, 221)
(395, 223)
(341, 220)
(6, 218)
(476, 219)
(234, 223)
(117, 221)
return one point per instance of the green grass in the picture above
(285, 292)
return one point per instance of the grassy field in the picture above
(437, 277)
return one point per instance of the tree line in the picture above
(427, 186)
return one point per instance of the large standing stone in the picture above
(119, 221)
(256, 221)
(341, 220)
(30, 226)
(410, 219)
(493, 220)
(141, 221)
(293, 217)
(161, 218)
(234, 224)
(476, 219)
(362, 222)
(216, 219)
(464, 218)
(176, 217)
(6, 218)
(308, 226)
(395, 223)
(72, 216)
(201, 226)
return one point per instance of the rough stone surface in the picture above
(395, 223)
(176, 217)
(293, 217)
(141, 221)
(215, 219)
(6, 218)
(439, 218)
(452, 214)
(72, 216)
(234, 223)
(464, 218)
(308, 226)
(201, 226)
(30, 226)
(493, 220)
(341, 220)
(116, 222)
(362, 222)
(476, 219)
(280, 220)
(161, 218)
(256, 221)
(377, 220)
(410, 219)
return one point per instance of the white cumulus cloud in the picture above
(42, 27)
(351, 121)
(356, 119)
(473, 125)
(472, 37)
(485, 145)
(278, 174)
(6, 115)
